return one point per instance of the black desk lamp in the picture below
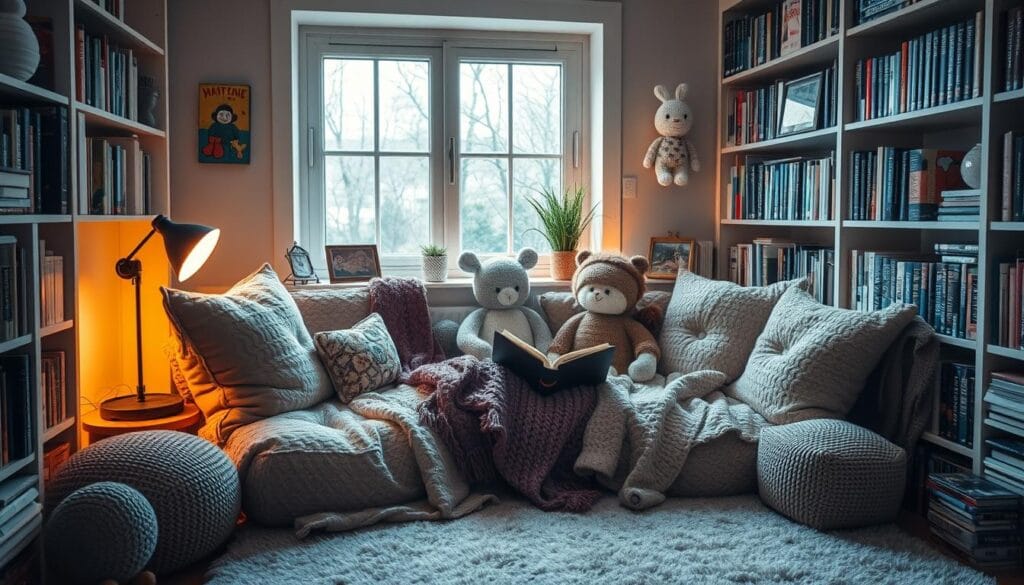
(187, 246)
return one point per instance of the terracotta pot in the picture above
(563, 265)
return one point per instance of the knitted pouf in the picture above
(103, 531)
(191, 484)
(830, 474)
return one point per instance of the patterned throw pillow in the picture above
(359, 359)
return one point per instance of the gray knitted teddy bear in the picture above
(672, 153)
(501, 287)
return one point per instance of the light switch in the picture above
(629, 187)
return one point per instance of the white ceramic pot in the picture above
(19, 49)
(435, 268)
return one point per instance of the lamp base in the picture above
(131, 408)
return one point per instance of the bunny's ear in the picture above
(661, 93)
(527, 258)
(468, 262)
(681, 91)
(582, 256)
(640, 263)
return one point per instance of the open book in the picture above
(583, 367)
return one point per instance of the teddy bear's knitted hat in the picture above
(625, 274)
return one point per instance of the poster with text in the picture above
(224, 123)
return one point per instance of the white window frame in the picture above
(444, 50)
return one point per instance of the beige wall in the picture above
(664, 41)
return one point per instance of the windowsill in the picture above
(465, 282)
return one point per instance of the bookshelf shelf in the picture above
(780, 222)
(957, 341)
(959, 114)
(1008, 96)
(97, 118)
(98, 20)
(16, 343)
(113, 218)
(912, 225)
(56, 328)
(821, 53)
(1007, 352)
(947, 444)
(817, 139)
(13, 89)
(55, 431)
(33, 218)
(15, 466)
(923, 13)
(1008, 226)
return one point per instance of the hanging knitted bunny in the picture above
(672, 153)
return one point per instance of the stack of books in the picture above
(797, 188)
(34, 160)
(902, 184)
(750, 40)
(956, 403)
(753, 115)
(868, 10)
(20, 510)
(960, 205)
(769, 260)
(1005, 464)
(1009, 316)
(107, 75)
(976, 518)
(928, 459)
(944, 291)
(1012, 26)
(1005, 399)
(938, 68)
(1013, 178)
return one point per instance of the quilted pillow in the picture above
(247, 353)
(331, 309)
(713, 324)
(359, 359)
(812, 360)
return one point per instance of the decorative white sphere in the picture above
(970, 167)
(19, 48)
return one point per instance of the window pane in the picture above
(537, 109)
(483, 107)
(484, 202)
(404, 204)
(348, 104)
(528, 177)
(404, 105)
(349, 201)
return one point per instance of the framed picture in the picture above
(669, 254)
(301, 266)
(801, 99)
(224, 124)
(352, 263)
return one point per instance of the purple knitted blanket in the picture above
(494, 424)
(402, 303)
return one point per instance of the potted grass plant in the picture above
(435, 263)
(563, 219)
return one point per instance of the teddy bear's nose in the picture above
(508, 296)
(675, 119)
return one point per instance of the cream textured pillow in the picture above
(812, 360)
(331, 309)
(713, 324)
(359, 359)
(248, 354)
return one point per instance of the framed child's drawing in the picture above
(224, 123)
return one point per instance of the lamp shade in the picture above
(188, 245)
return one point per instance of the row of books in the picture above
(34, 160)
(1010, 316)
(956, 403)
(905, 184)
(16, 413)
(118, 172)
(944, 289)
(114, 7)
(1005, 463)
(53, 382)
(977, 518)
(868, 10)
(14, 313)
(941, 67)
(798, 188)
(107, 76)
(928, 459)
(1005, 400)
(1013, 177)
(1012, 29)
(54, 456)
(754, 113)
(51, 286)
(20, 511)
(750, 40)
(769, 260)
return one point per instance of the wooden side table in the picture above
(96, 428)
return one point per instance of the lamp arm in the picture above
(140, 245)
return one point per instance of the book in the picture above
(14, 487)
(973, 491)
(583, 367)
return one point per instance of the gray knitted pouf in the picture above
(103, 531)
(191, 484)
(830, 474)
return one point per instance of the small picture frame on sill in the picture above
(352, 263)
(301, 266)
(798, 110)
(669, 254)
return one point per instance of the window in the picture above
(415, 140)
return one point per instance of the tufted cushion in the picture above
(559, 306)
(713, 324)
(331, 309)
(359, 359)
(246, 354)
(830, 474)
(812, 360)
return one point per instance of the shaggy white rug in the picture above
(690, 541)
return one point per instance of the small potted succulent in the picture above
(563, 223)
(435, 263)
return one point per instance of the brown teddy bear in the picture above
(608, 287)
